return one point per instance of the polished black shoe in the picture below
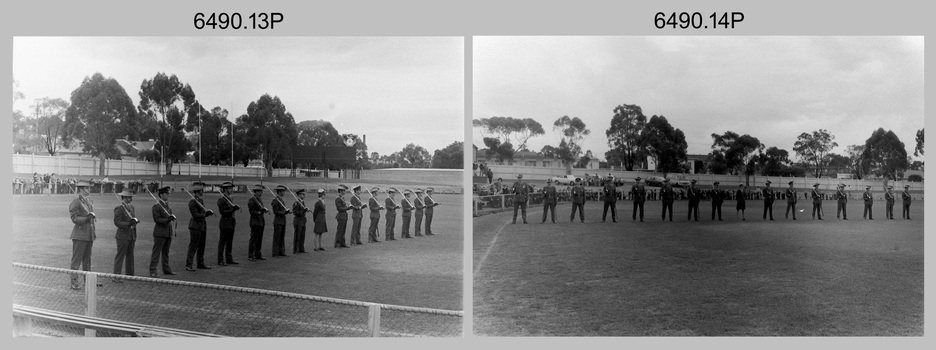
(189, 268)
(204, 267)
(259, 258)
(232, 262)
(221, 263)
(154, 275)
(342, 246)
(170, 273)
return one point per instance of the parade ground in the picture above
(707, 278)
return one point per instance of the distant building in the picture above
(533, 159)
(130, 150)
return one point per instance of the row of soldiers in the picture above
(521, 191)
(83, 234)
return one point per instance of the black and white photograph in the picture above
(678, 186)
(249, 186)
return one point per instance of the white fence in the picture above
(87, 166)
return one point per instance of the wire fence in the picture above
(218, 309)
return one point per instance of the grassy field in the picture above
(706, 278)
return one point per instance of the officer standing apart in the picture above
(406, 214)
(639, 196)
(791, 202)
(82, 215)
(741, 196)
(197, 230)
(162, 233)
(299, 210)
(520, 191)
(375, 209)
(226, 225)
(279, 222)
(550, 198)
(816, 202)
(906, 202)
(578, 200)
(769, 196)
(430, 205)
(717, 200)
(418, 203)
(693, 194)
(356, 215)
(342, 216)
(257, 223)
(391, 206)
(668, 196)
(126, 221)
(868, 201)
(889, 202)
(610, 194)
(318, 217)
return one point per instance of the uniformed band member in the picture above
(430, 205)
(868, 201)
(342, 216)
(906, 202)
(816, 202)
(520, 192)
(791, 198)
(257, 223)
(391, 205)
(226, 225)
(299, 210)
(717, 199)
(638, 196)
(375, 209)
(610, 194)
(82, 215)
(693, 194)
(550, 198)
(889, 202)
(418, 203)
(356, 215)
(318, 218)
(578, 200)
(741, 195)
(769, 196)
(162, 233)
(842, 199)
(406, 214)
(197, 230)
(668, 196)
(126, 221)
(279, 222)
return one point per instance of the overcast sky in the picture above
(773, 88)
(395, 90)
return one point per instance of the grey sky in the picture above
(396, 90)
(773, 88)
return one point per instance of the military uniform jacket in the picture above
(226, 210)
(299, 213)
(430, 203)
(318, 217)
(418, 203)
(868, 198)
(407, 208)
(342, 207)
(161, 212)
(692, 194)
(256, 212)
(889, 196)
(549, 195)
(791, 195)
(718, 196)
(740, 196)
(816, 197)
(906, 197)
(638, 193)
(84, 224)
(840, 195)
(769, 194)
(666, 194)
(279, 211)
(391, 206)
(521, 191)
(197, 222)
(374, 206)
(126, 227)
(578, 194)
(356, 211)
(610, 193)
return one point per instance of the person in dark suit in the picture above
(816, 201)
(907, 199)
(163, 232)
(257, 223)
(741, 197)
(82, 215)
(342, 216)
(550, 198)
(420, 209)
(769, 196)
(610, 193)
(889, 200)
(520, 190)
(718, 197)
(357, 214)
(391, 205)
(318, 218)
(430, 209)
(375, 209)
(842, 198)
(667, 195)
(299, 210)
(279, 222)
(226, 225)
(406, 214)
(126, 221)
(197, 230)
(791, 202)
(578, 200)
(868, 202)
(693, 194)
(638, 196)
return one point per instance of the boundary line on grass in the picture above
(494, 240)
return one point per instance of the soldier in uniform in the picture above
(162, 233)
(741, 197)
(342, 216)
(868, 201)
(279, 222)
(668, 196)
(549, 200)
(610, 194)
(226, 225)
(197, 229)
(769, 196)
(299, 210)
(126, 221)
(578, 200)
(406, 214)
(357, 214)
(639, 196)
(816, 202)
(418, 204)
(430, 204)
(692, 193)
(889, 203)
(375, 209)
(717, 199)
(257, 223)
(391, 206)
(82, 215)
(842, 199)
(906, 202)
(520, 191)
(791, 202)
(318, 218)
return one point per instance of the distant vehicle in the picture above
(680, 183)
(654, 181)
(565, 179)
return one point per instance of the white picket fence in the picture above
(87, 166)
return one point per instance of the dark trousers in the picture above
(867, 212)
(340, 233)
(694, 209)
(889, 210)
(279, 240)
(372, 229)
(604, 211)
(404, 231)
(299, 238)
(791, 206)
(81, 257)
(668, 206)
(817, 210)
(255, 243)
(388, 228)
(124, 255)
(581, 210)
(196, 248)
(841, 210)
(224, 245)
(160, 252)
(716, 207)
(768, 208)
(517, 205)
(429, 223)
(355, 231)
(549, 208)
(906, 211)
(418, 227)
(638, 205)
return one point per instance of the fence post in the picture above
(91, 300)
(373, 319)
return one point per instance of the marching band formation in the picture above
(415, 202)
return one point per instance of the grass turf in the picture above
(706, 278)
